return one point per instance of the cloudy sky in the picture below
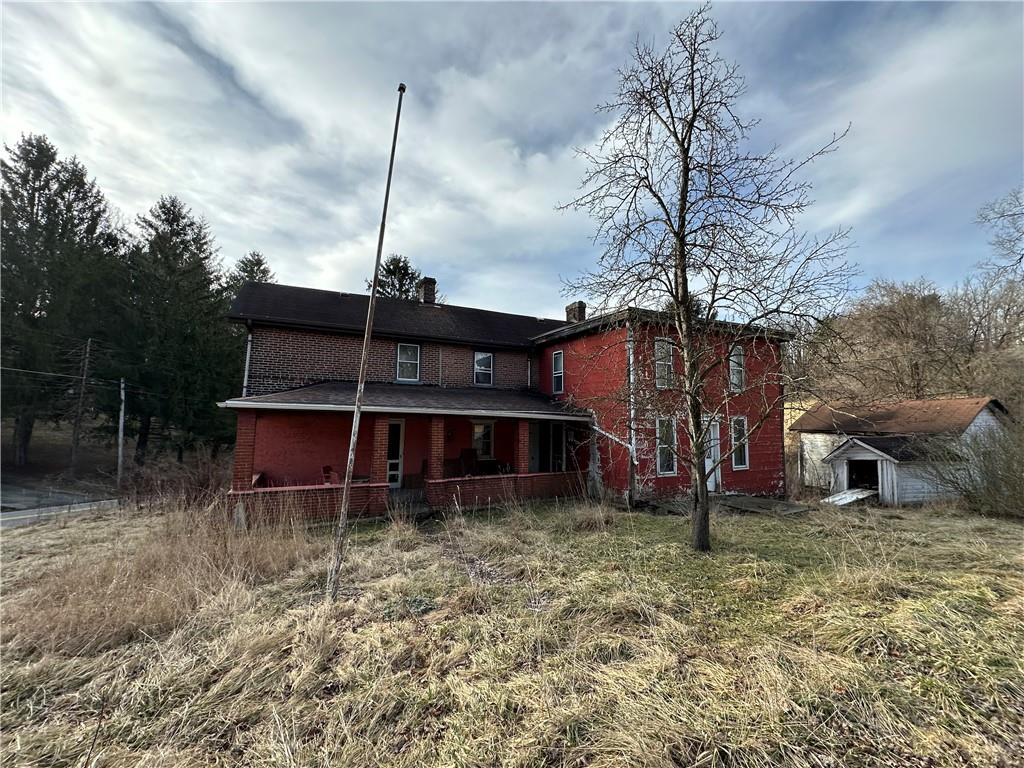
(273, 121)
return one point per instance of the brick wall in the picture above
(310, 503)
(595, 374)
(473, 492)
(283, 358)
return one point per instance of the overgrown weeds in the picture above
(520, 638)
(99, 597)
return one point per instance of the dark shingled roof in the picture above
(903, 447)
(383, 398)
(394, 318)
(952, 415)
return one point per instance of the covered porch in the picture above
(416, 446)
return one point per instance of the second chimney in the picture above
(426, 289)
(576, 312)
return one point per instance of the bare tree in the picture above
(696, 222)
(1005, 218)
(917, 340)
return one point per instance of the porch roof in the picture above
(413, 399)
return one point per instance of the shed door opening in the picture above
(863, 474)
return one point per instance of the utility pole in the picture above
(76, 431)
(120, 438)
(342, 526)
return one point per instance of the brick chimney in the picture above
(576, 312)
(426, 289)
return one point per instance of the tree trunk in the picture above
(701, 516)
(23, 425)
(142, 441)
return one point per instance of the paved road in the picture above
(16, 517)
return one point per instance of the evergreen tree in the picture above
(181, 343)
(397, 279)
(61, 254)
(251, 268)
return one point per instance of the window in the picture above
(483, 439)
(557, 373)
(408, 362)
(666, 429)
(483, 369)
(740, 460)
(664, 369)
(737, 369)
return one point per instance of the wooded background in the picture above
(148, 300)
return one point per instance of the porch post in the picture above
(379, 463)
(245, 451)
(522, 453)
(435, 452)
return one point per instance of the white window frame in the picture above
(744, 443)
(477, 369)
(399, 361)
(480, 454)
(659, 446)
(737, 368)
(660, 363)
(559, 375)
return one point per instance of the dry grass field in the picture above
(535, 636)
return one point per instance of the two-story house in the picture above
(469, 405)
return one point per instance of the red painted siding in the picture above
(596, 375)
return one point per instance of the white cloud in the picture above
(274, 121)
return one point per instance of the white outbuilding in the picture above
(883, 447)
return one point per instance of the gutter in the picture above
(248, 354)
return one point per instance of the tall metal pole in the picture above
(120, 439)
(346, 489)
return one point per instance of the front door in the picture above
(712, 465)
(396, 448)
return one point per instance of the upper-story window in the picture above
(408, 362)
(483, 369)
(557, 373)
(664, 367)
(737, 368)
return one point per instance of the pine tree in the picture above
(397, 279)
(181, 339)
(251, 268)
(61, 253)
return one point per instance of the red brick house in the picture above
(466, 404)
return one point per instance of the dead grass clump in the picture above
(98, 599)
(591, 517)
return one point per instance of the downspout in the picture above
(529, 370)
(631, 383)
(248, 354)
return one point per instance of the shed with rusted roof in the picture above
(885, 446)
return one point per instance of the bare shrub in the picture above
(200, 476)
(984, 469)
(95, 600)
